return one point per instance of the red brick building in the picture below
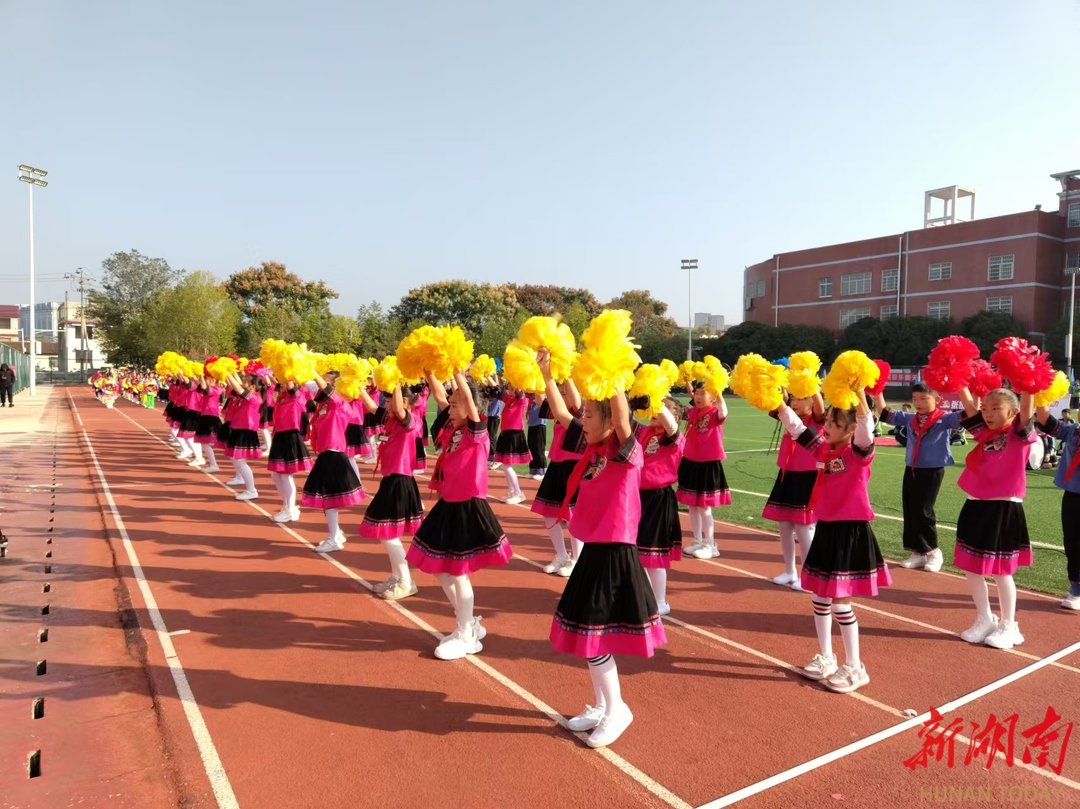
(950, 269)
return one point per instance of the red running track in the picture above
(312, 691)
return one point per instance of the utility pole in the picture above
(80, 274)
(32, 176)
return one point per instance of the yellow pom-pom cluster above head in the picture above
(547, 332)
(759, 381)
(1058, 388)
(803, 378)
(482, 368)
(354, 374)
(222, 367)
(288, 362)
(851, 373)
(170, 363)
(607, 364)
(651, 381)
(439, 350)
(520, 369)
(387, 375)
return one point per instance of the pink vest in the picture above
(609, 504)
(513, 417)
(211, 402)
(844, 489)
(1002, 472)
(289, 409)
(397, 454)
(232, 402)
(463, 470)
(661, 455)
(704, 435)
(331, 417)
(246, 416)
(792, 456)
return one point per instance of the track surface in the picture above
(313, 692)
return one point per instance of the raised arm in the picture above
(437, 390)
(572, 398)
(235, 383)
(879, 400)
(473, 414)
(397, 404)
(620, 416)
(864, 423)
(1027, 408)
(970, 407)
(554, 396)
(819, 407)
(668, 421)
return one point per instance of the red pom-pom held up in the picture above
(950, 364)
(1027, 370)
(983, 378)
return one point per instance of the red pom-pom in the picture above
(253, 368)
(206, 365)
(950, 364)
(883, 378)
(1027, 370)
(983, 378)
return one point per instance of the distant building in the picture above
(9, 323)
(953, 267)
(46, 321)
(70, 347)
(704, 320)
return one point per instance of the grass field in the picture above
(751, 470)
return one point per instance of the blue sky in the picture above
(380, 146)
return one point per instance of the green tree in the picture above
(498, 333)
(551, 299)
(577, 317)
(457, 303)
(649, 315)
(986, 328)
(329, 333)
(130, 282)
(269, 284)
(901, 341)
(379, 333)
(1054, 342)
(195, 318)
(274, 320)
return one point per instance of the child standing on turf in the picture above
(537, 438)
(926, 455)
(551, 494)
(1066, 478)
(461, 534)
(659, 535)
(991, 532)
(789, 501)
(702, 484)
(608, 605)
(844, 560)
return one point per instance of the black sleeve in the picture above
(545, 410)
(1023, 430)
(627, 450)
(574, 441)
(325, 393)
(973, 422)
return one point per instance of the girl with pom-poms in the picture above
(461, 534)
(512, 448)
(608, 606)
(209, 407)
(332, 483)
(421, 393)
(702, 484)
(551, 494)
(357, 441)
(288, 455)
(188, 413)
(232, 404)
(844, 559)
(243, 442)
(396, 508)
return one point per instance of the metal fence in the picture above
(20, 363)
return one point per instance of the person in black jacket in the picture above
(7, 384)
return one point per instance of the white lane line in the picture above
(176, 632)
(895, 730)
(624, 766)
(215, 772)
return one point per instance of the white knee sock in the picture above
(265, 437)
(658, 579)
(512, 487)
(463, 610)
(288, 491)
(805, 535)
(980, 594)
(823, 624)
(1006, 597)
(449, 586)
(185, 446)
(398, 566)
(332, 526)
(849, 632)
(244, 470)
(695, 524)
(275, 478)
(211, 458)
(355, 468)
(576, 545)
(598, 691)
(196, 449)
(708, 525)
(787, 546)
(555, 532)
(606, 677)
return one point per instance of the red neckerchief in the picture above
(920, 431)
(819, 482)
(975, 457)
(575, 478)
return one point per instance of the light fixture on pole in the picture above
(689, 264)
(32, 176)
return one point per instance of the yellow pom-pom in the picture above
(804, 361)
(652, 381)
(759, 381)
(387, 375)
(288, 362)
(520, 368)
(416, 352)
(607, 364)
(547, 332)
(671, 371)
(169, 363)
(482, 368)
(686, 372)
(608, 328)
(1058, 388)
(222, 367)
(803, 379)
(716, 380)
(851, 373)
(325, 363)
(712, 363)
(353, 378)
(455, 352)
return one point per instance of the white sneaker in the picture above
(611, 727)
(554, 565)
(213, 468)
(980, 630)
(914, 562)
(197, 462)
(494, 465)
(714, 552)
(287, 515)
(479, 630)
(1071, 602)
(797, 586)
(704, 551)
(785, 579)
(248, 494)
(331, 544)
(820, 668)
(934, 561)
(690, 549)
(184, 455)
(586, 720)
(848, 679)
(383, 586)
(566, 568)
(537, 477)
(235, 482)
(402, 589)
(1005, 636)
(514, 500)
(663, 608)
(455, 648)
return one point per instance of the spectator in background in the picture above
(7, 384)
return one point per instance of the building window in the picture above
(1001, 268)
(755, 289)
(1072, 261)
(889, 310)
(890, 280)
(939, 310)
(1074, 215)
(1001, 305)
(5, 323)
(849, 316)
(941, 272)
(824, 288)
(859, 283)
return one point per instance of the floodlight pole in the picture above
(32, 176)
(689, 264)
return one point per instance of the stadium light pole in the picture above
(1072, 271)
(689, 264)
(32, 176)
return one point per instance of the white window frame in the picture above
(886, 276)
(893, 311)
(761, 288)
(942, 271)
(1003, 266)
(938, 304)
(853, 315)
(755, 289)
(821, 285)
(1072, 261)
(1002, 304)
(1074, 215)
(856, 283)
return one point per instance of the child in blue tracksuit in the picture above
(926, 454)
(1067, 479)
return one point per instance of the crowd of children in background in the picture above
(612, 485)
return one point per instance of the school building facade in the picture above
(953, 267)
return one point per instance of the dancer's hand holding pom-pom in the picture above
(850, 375)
